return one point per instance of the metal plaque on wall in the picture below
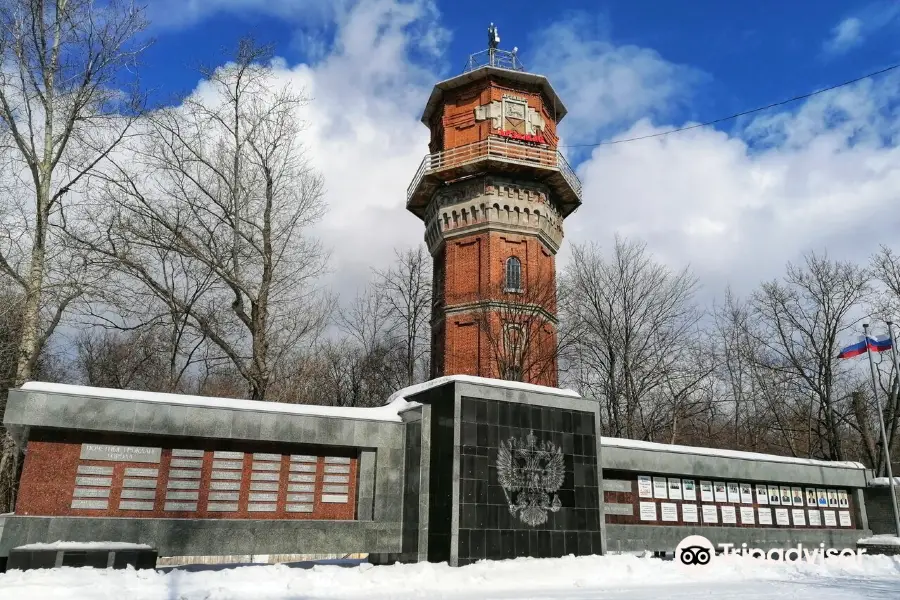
(119, 453)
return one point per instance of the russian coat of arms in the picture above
(530, 472)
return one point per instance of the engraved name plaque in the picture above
(141, 454)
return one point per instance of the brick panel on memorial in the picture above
(277, 483)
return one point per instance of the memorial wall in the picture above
(195, 476)
(504, 470)
(463, 469)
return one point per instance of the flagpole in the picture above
(884, 440)
(884, 431)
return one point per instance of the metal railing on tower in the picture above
(495, 57)
(497, 149)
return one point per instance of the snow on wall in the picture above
(884, 539)
(397, 404)
(60, 545)
(642, 445)
(391, 410)
(515, 385)
(883, 482)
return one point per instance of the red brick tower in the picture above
(493, 194)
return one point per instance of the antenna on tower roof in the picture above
(494, 56)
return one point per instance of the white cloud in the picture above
(177, 14)
(845, 35)
(738, 206)
(853, 30)
(603, 84)
(364, 132)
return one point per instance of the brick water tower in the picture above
(493, 193)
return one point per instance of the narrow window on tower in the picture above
(513, 275)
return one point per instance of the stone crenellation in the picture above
(492, 204)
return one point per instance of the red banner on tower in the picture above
(522, 137)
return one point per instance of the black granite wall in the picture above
(879, 509)
(487, 527)
(441, 476)
(413, 453)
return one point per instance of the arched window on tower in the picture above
(513, 275)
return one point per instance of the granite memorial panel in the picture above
(528, 481)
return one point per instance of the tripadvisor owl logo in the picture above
(694, 550)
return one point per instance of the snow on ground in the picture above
(612, 577)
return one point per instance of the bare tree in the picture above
(10, 321)
(519, 328)
(222, 183)
(730, 325)
(62, 112)
(638, 337)
(374, 355)
(136, 360)
(365, 321)
(338, 372)
(137, 311)
(885, 267)
(48, 367)
(769, 412)
(61, 115)
(406, 290)
(796, 324)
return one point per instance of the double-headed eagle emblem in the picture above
(529, 472)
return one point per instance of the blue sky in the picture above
(746, 53)
(734, 202)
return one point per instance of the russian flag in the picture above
(854, 349)
(879, 343)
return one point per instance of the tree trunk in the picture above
(28, 342)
